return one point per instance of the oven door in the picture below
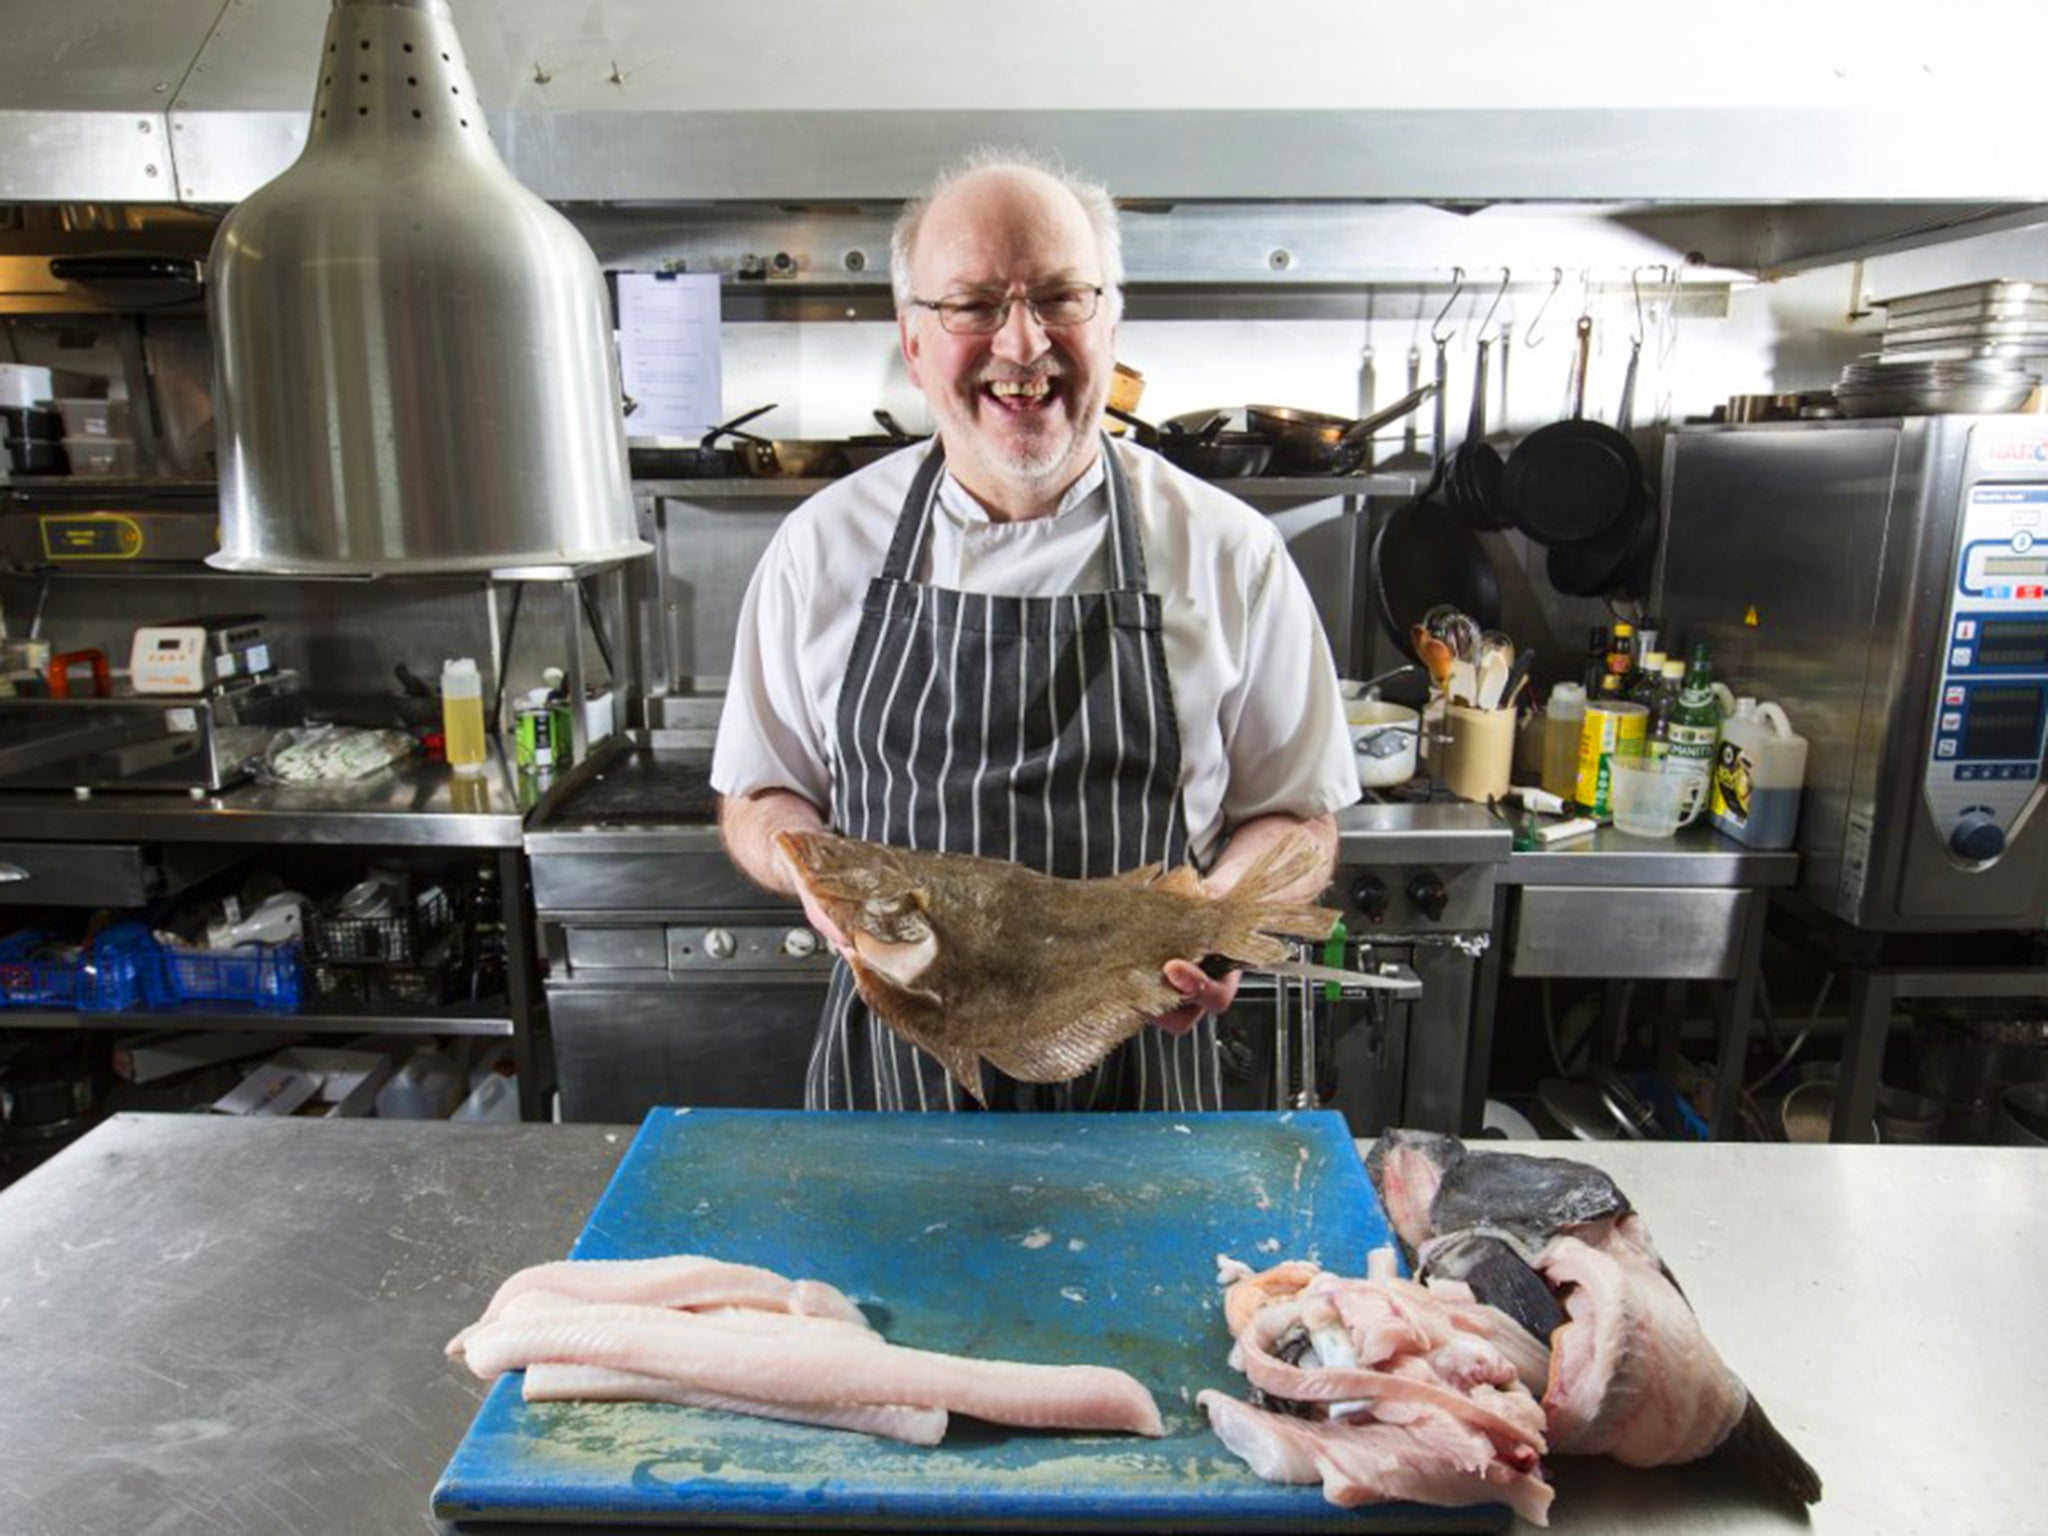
(733, 1044)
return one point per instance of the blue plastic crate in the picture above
(266, 976)
(116, 971)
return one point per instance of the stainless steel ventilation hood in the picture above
(202, 101)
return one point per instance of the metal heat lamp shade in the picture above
(412, 352)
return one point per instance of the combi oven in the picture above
(1886, 582)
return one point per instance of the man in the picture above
(1027, 641)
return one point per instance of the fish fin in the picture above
(1248, 911)
(1144, 874)
(1183, 880)
(1759, 1448)
(1063, 1053)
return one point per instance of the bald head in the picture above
(995, 182)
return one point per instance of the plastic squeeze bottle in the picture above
(1563, 719)
(462, 715)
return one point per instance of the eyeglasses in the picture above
(1052, 308)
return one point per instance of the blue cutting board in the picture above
(1062, 1239)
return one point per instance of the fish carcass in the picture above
(1556, 1245)
(587, 1329)
(976, 960)
(1381, 1388)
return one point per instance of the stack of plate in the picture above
(2001, 319)
(1881, 386)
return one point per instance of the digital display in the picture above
(171, 643)
(2002, 723)
(2012, 643)
(2015, 565)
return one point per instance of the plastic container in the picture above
(494, 1102)
(427, 1087)
(462, 715)
(93, 418)
(1758, 771)
(1563, 720)
(100, 455)
(266, 976)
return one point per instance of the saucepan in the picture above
(1311, 443)
(1206, 450)
(1385, 737)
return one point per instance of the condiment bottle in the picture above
(1696, 721)
(462, 715)
(1563, 719)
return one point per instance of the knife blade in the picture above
(1402, 982)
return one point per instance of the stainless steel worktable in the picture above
(236, 1325)
(1694, 856)
(416, 804)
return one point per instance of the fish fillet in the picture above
(1365, 1463)
(554, 1383)
(812, 1365)
(1382, 1388)
(680, 1280)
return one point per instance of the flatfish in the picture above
(975, 960)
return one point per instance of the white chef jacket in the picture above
(1254, 689)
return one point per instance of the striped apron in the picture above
(1034, 729)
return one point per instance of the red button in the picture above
(2024, 592)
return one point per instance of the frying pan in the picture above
(863, 450)
(1208, 451)
(1311, 443)
(663, 458)
(1620, 554)
(1574, 479)
(1472, 483)
(1422, 556)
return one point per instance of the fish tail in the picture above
(1247, 913)
(1756, 1443)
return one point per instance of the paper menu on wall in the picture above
(668, 352)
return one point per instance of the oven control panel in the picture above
(1984, 763)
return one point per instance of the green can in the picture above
(534, 735)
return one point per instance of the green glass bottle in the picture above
(1695, 730)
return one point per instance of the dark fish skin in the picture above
(1493, 1214)
(977, 960)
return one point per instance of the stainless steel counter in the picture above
(414, 804)
(236, 1325)
(1696, 856)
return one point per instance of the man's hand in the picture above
(748, 824)
(1204, 994)
(1209, 994)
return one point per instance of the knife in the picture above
(1397, 979)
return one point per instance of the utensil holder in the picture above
(1479, 756)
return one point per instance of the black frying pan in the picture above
(1615, 561)
(1423, 556)
(1473, 481)
(1575, 479)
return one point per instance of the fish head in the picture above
(877, 901)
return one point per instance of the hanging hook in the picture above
(1556, 282)
(1506, 277)
(1457, 287)
(1635, 285)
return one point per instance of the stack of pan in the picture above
(1974, 348)
(1577, 487)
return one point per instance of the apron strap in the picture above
(906, 546)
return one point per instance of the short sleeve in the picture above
(1285, 738)
(769, 735)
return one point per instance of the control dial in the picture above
(1370, 896)
(1977, 838)
(800, 943)
(720, 945)
(1427, 891)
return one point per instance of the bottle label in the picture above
(1693, 745)
(1734, 783)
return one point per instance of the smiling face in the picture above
(1019, 409)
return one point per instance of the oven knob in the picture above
(1370, 895)
(1427, 891)
(800, 943)
(720, 945)
(1977, 838)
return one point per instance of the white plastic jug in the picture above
(427, 1087)
(1758, 771)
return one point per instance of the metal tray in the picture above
(2001, 291)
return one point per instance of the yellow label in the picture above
(91, 536)
(1610, 731)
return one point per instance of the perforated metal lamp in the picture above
(413, 368)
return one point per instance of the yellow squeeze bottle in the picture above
(462, 715)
